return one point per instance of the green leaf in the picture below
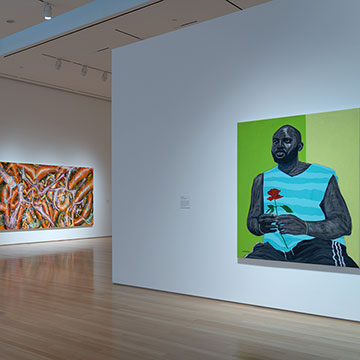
(270, 209)
(286, 208)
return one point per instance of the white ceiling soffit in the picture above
(91, 45)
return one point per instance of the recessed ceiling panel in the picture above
(92, 46)
(25, 13)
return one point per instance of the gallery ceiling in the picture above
(91, 45)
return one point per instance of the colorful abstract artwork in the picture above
(45, 196)
(298, 189)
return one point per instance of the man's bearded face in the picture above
(285, 145)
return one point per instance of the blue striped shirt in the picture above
(303, 194)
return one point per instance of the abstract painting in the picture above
(298, 189)
(36, 196)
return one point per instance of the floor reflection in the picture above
(71, 268)
(57, 301)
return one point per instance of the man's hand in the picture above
(267, 223)
(290, 224)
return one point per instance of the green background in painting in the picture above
(333, 140)
(254, 157)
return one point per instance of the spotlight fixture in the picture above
(47, 11)
(84, 70)
(104, 76)
(58, 64)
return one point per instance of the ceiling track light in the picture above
(84, 70)
(104, 74)
(47, 11)
(58, 64)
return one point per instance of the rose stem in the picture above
(277, 214)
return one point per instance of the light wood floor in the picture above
(57, 302)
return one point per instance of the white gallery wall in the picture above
(177, 99)
(52, 127)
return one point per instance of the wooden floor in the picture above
(57, 302)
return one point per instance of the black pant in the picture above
(314, 251)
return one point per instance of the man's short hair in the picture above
(296, 131)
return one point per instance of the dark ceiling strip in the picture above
(100, 50)
(90, 67)
(134, 36)
(230, 2)
(84, 28)
(189, 23)
(55, 57)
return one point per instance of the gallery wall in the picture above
(52, 127)
(177, 99)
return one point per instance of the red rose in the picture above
(274, 194)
